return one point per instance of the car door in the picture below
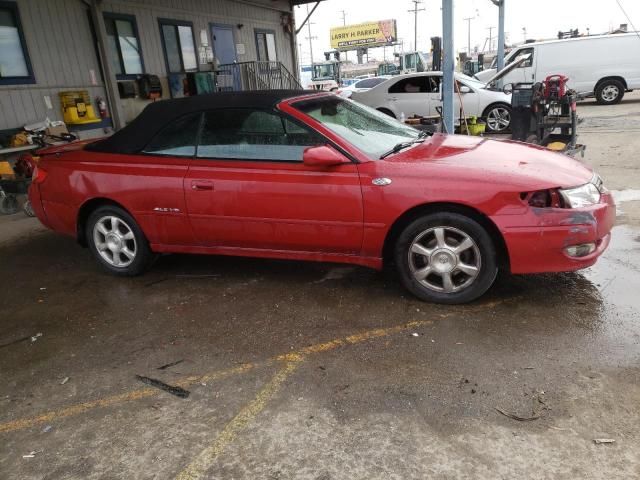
(409, 96)
(247, 187)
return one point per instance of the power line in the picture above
(628, 19)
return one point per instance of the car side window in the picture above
(178, 138)
(248, 134)
(419, 84)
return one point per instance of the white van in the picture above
(602, 65)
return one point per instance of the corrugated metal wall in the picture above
(63, 55)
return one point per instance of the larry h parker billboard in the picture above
(368, 34)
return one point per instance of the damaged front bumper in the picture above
(542, 240)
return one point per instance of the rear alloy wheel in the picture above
(446, 258)
(117, 242)
(609, 92)
(498, 118)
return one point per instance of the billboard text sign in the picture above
(368, 34)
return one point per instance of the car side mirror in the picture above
(464, 89)
(323, 156)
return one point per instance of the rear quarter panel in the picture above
(138, 183)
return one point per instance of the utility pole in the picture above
(524, 34)
(490, 38)
(501, 35)
(344, 22)
(448, 65)
(415, 11)
(310, 38)
(468, 20)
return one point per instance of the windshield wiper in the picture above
(401, 146)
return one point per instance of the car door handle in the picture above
(201, 185)
(393, 99)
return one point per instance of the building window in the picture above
(179, 46)
(266, 45)
(124, 45)
(15, 66)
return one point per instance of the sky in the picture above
(542, 20)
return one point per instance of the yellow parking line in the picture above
(192, 380)
(114, 400)
(198, 467)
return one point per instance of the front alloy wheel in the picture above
(498, 119)
(446, 258)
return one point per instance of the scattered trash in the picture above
(599, 441)
(415, 334)
(300, 399)
(64, 380)
(36, 336)
(177, 391)
(529, 368)
(168, 365)
(459, 343)
(433, 341)
(32, 454)
(47, 429)
(42, 289)
(473, 390)
(517, 417)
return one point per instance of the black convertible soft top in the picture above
(137, 134)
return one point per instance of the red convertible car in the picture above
(313, 176)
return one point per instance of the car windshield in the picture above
(323, 71)
(370, 131)
(370, 82)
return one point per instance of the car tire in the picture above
(386, 111)
(609, 92)
(117, 242)
(454, 251)
(495, 116)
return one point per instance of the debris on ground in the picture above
(36, 337)
(538, 406)
(169, 365)
(32, 454)
(599, 441)
(64, 380)
(517, 417)
(415, 334)
(18, 340)
(177, 391)
(47, 429)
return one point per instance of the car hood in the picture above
(508, 163)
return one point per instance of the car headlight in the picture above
(582, 196)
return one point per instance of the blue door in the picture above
(224, 49)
